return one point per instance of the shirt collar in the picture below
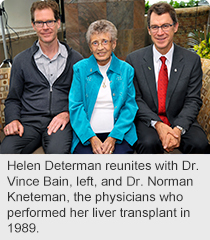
(61, 51)
(105, 66)
(114, 64)
(168, 55)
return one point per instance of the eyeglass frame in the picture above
(46, 22)
(101, 42)
(157, 27)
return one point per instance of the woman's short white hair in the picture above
(101, 26)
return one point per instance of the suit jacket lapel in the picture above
(176, 69)
(148, 68)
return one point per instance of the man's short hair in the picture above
(40, 5)
(161, 8)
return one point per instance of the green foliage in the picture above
(182, 4)
(175, 4)
(147, 6)
(200, 41)
(192, 3)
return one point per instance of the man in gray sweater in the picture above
(36, 109)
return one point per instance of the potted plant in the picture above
(200, 42)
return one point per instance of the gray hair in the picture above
(101, 26)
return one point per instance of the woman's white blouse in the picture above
(102, 119)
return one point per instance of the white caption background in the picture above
(162, 197)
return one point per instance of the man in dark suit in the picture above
(166, 119)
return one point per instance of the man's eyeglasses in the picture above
(165, 27)
(49, 23)
(104, 42)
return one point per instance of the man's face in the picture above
(162, 39)
(46, 34)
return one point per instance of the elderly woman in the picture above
(102, 97)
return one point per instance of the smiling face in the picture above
(162, 40)
(102, 46)
(46, 34)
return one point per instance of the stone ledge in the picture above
(23, 33)
(192, 10)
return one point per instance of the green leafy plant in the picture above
(192, 3)
(175, 4)
(147, 6)
(200, 42)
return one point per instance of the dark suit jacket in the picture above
(183, 100)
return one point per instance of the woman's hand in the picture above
(96, 145)
(108, 145)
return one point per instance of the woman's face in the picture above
(102, 46)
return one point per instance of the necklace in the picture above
(103, 70)
(104, 84)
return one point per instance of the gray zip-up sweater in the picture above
(30, 93)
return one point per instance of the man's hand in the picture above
(108, 145)
(168, 136)
(14, 128)
(171, 141)
(96, 145)
(59, 121)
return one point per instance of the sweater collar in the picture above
(35, 48)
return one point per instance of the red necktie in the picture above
(162, 90)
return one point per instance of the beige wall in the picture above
(19, 13)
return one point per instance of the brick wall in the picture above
(190, 19)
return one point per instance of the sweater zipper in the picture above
(50, 98)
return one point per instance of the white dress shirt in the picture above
(157, 62)
(157, 65)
